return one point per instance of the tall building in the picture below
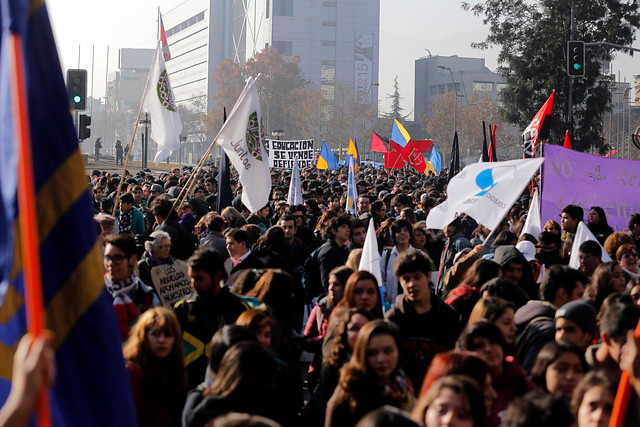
(337, 42)
(126, 85)
(435, 75)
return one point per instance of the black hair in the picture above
(591, 247)
(560, 276)
(208, 260)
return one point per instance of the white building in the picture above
(338, 42)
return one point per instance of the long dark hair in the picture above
(348, 300)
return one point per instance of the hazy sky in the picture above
(407, 28)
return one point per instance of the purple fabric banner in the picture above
(571, 177)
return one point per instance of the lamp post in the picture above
(368, 101)
(455, 99)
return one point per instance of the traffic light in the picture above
(575, 58)
(77, 88)
(83, 127)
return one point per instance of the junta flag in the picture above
(160, 103)
(532, 132)
(92, 387)
(163, 39)
(484, 191)
(242, 138)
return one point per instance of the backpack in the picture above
(311, 282)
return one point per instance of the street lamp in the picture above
(455, 99)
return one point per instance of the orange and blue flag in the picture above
(92, 386)
(326, 159)
(352, 189)
(399, 134)
(353, 153)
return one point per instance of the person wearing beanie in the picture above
(576, 322)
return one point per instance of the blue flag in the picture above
(92, 386)
(435, 162)
(326, 159)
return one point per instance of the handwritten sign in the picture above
(282, 153)
(172, 282)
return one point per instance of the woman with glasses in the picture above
(156, 252)
(552, 227)
(627, 256)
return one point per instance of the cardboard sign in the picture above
(172, 282)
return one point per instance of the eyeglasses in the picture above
(116, 259)
(553, 229)
(630, 255)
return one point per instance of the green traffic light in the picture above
(577, 66)
(77, 99)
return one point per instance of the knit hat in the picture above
(580, 311)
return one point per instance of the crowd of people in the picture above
(463, 330)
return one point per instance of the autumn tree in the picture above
(469, 117)
(532, 37)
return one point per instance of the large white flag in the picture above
(370, 260)
(484, 191)
(533, 224)
(582, 235)
(295, 188)
(160, 103)
(242, 138)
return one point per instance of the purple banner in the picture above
(570, 177)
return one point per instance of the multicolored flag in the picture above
(413, 156)
(163, 39)
(379, 144)
(242, 138)
(326, 159)
(92, 386)
(434, 164)
(159, 102)
(352, 189)
(353, 153)
(399, 134)
(493, 157)
(532, 132)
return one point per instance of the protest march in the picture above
(274, 284)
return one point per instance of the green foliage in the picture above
(396, 110)
(533, 35)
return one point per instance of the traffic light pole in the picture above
(570, 95)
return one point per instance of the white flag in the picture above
(484, 191)
(160, 103)
(295, 189)
(533, 224)
(370, 260)
(242, 138)
(582, 235)
(352, 189)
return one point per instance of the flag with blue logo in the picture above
(92, 386)
(326, 159)
(353, 153)
(484, 191)
(352, 189)
(399, 134)
(434, 164)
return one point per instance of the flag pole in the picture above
(29, 238)
(133, 138)
(621, 403)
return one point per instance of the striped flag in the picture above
(352, 189)
(92, 387)
(163, 40)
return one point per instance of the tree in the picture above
(480, 107)
(279, 77)
(396, 109)
(532, 36)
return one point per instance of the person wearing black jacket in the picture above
(182, 243)
(333, 253)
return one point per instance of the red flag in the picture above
(611, 153)
(394, 159)
(379, 144)
(567, 141)
(423, 146)
(412, 154)
(532, 131)
(165, 45)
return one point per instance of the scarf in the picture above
(399, 390)
(126, 310)
(126, 220)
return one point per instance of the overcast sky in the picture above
(407, 29)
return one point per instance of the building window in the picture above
(185, 24)
(282, 7)
(433, 90)
(483, 86)
(283, 47)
